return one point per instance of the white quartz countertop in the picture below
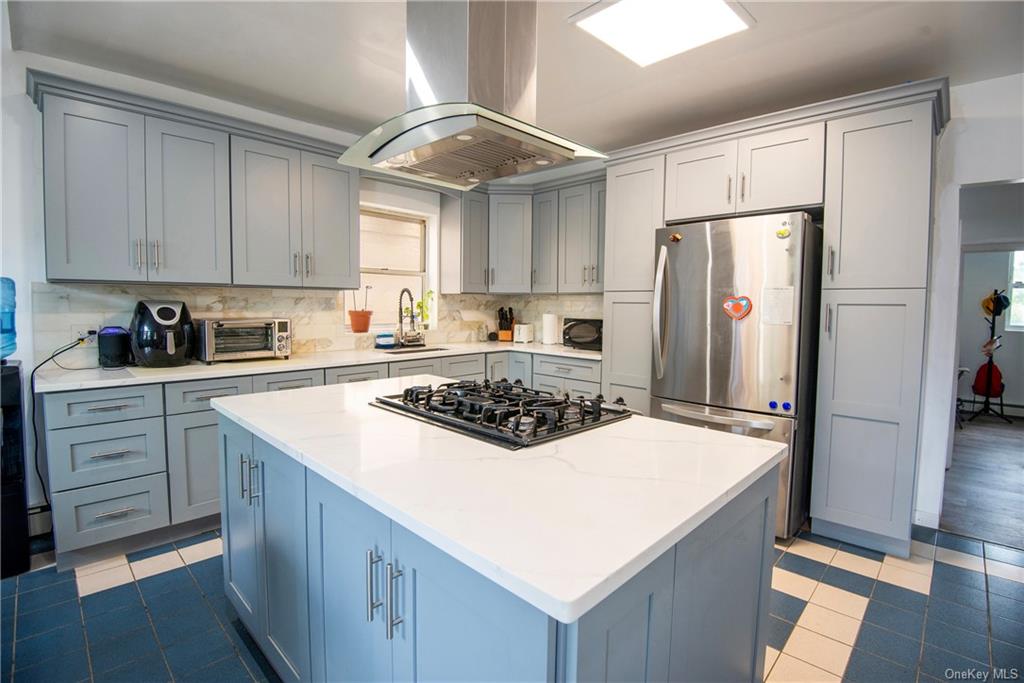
(561, 524)
(51, 379)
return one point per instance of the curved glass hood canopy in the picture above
(471, 87)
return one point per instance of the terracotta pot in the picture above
(360, 320)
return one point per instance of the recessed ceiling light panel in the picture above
(648, 31)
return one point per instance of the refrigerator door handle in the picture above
(763, 425)
(659, 292)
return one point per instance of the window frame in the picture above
(423, 274)
(1007, 325)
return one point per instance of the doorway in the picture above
(984, 487)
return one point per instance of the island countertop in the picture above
(561, 524)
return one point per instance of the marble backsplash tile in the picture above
(318, 316)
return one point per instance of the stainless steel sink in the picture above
(416, 349)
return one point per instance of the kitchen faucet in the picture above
(414, 337)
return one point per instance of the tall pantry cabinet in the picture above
(874, 279)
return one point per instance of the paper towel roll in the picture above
(552, 329)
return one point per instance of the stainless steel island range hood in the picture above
(471, 90)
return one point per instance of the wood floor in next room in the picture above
(984, 491)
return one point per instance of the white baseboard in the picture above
(928, 519)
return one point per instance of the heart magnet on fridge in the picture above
(737, 307)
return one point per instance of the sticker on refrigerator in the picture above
(777, 305)
(737, 307)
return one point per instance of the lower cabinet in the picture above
(280, 381)
(426, 366)
(357, 373)
(192, 469)
(265, 567)
(497, 366)
(520, 367)
(576, 388)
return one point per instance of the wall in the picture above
(992, 216)
(984, 271)
(982, 143)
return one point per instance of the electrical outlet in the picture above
(80, 331)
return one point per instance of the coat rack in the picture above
(990, 366)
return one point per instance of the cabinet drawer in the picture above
(106, 512)
(461, 366)
(78, 408)
(428, 366)
(555, 385)
(96, 454)
(575, 368)
(279, 381)
(358, 373)
(576, 388)
(192, 397)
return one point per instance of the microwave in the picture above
(243, 339)
(582, 333)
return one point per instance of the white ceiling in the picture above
(341, 64)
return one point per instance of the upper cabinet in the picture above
(330, 223)
(188, 222)
(545, 242)
(772, 170)
(598, 217)
(137, 198)
(575, 265)
(95, 193)
(878, 199)
(636, 192)
(510, 243)
(266, 215)
(464, 237)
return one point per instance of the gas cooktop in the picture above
(502, 412)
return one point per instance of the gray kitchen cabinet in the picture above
(520, 367)
(878, 199)
(106, 512)
(545, 242)
(510, 243)
(194, 396)
(188, 222)
(424, 366)
(575, 265)
(348, 544)
(279, 381)
(330, 223)
(497, 365)
(238, 524)
(464, 244)
(192, 465)
(461, 367)
(627, 345)
(701, 181)
(598, 220)
(635, 205)
(96, 454)
(355, 373)
(563, 366)
(636, 399)
(266, 213)
(866, 423)
(781, 168)
(96, 406)
(94, 171)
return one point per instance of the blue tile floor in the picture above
(156, 615)
(955, 608)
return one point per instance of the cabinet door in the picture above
(188, 219)
(877, 199)
(266, 216)
(626, 356)
(520, 366)
(701, 181)
(475, 228)
(497, 366)
(280, 489)
(545, 242)
(348, 544)
(192, 465)
(869, 391)
(782, 168)
(554, 385)
(94, 168)
(458, 625)
(575, 265)
(598, 218)
(636, 195)
(330, 223)
(510, 242)
(238, 524)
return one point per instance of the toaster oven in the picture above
(243, 339)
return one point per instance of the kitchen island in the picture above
(360, 544)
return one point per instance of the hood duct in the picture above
(471, 91)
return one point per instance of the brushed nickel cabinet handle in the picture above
(120, 512)
(389, 598)
(119, 453)
(584, 275)
(831, 262)
(593, 274)
(243, 466)
(156, 255)
(828, 320)
(295, 264)
(104, 409)
(257, 467)
(743, 186)
(728, 189)
(309, 266)
(492, 275)
(371, 604)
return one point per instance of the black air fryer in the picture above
(162, 334)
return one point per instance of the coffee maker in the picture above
(162, 334)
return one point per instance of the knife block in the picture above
(504, 335)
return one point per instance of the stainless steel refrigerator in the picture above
(735, 336)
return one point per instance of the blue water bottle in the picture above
(8, 336)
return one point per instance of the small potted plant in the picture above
(422, 313)
(360, 318)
